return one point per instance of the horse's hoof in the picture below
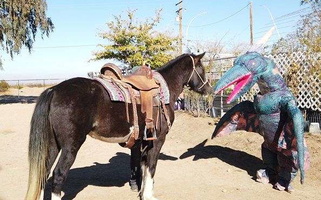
(150, 198)
(133, 186)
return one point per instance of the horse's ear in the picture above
(199, 57)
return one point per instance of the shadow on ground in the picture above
(163, 156)
(239, 159)
(115, 173)
(8, 99)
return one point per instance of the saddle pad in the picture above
(118, 93)
(164, 91)
(114, 91)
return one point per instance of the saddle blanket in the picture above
(118, 93)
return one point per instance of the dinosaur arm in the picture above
(298, 126)
(240, 117)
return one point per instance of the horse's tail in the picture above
(40, 131)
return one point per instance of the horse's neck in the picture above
(175, 82)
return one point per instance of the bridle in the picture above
(194, 70)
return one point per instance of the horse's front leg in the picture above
(135, 160)
(148, 165)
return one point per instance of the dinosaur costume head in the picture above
(247, 70)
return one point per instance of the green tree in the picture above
(133, 42)
(19, 22)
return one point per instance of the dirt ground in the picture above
(191, 166)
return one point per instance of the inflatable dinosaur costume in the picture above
(274, 114)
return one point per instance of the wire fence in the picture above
(17, 84)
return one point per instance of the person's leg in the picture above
(270, 161)
(287, 170)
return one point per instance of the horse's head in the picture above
(197, 80)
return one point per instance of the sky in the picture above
(66, 53)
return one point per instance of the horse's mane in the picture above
(171, 62)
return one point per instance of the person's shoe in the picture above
(290, 189)
(283, 185)
(262, 176)
(278, 186)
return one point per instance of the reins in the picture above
(194, 69)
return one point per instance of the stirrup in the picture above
(154, 137)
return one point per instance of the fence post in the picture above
(18, 88)
(221, 103)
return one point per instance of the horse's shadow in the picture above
(116, 173)
(233, 157)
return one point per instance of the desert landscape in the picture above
(191, 166)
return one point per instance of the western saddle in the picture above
(140, 80)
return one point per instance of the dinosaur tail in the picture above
(301, 157)
(298, 123)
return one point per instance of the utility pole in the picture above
(180, 19)
(251, 24)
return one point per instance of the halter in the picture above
(194, 69)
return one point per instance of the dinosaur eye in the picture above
(256, 63)
(252, 63)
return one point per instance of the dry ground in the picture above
(191, 166)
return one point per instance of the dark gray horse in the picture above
(67, 112)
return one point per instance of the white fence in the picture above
(301, 71)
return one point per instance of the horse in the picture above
(69, 111)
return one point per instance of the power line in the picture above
(287, 21)
(267, 27)
(223, 18)
(291, 15)
(282, 27)
(294, 13)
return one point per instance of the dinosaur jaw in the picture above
(240, 82)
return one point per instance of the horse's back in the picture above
(74, 106)
(77, 84)
(82, 106)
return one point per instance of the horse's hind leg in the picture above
(135, 159)
(53, 153)
(66, 159)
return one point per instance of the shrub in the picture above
(4, 86)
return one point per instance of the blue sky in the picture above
(67, 51)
